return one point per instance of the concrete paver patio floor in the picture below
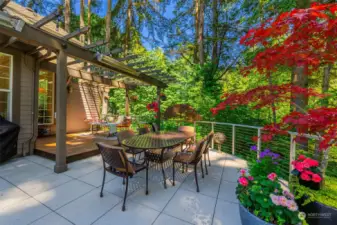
(31, 193)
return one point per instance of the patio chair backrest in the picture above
(209, 139)
(125, 134)
(189, 130)
(200, 148)
(115, 158)
(155, 127)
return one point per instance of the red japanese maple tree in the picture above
(301, 37)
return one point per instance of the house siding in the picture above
(22, 97)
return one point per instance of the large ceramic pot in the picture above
(248, 218)
(318, 213)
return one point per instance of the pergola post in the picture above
(105, 102)
(158, 113)
(127, 103)
(61, 112)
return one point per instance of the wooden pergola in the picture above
(69, 57)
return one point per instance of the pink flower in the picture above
(243, 181)
(250, 178)
(291, 205)
(316, 178)
(243, 172)
(272, 176)
(274, 199)
(282, 200)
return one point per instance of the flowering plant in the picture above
(263, 196)
(153, 106)
(268, 161)
(307, 170)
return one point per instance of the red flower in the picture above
(299, 166)
(301, 157)
(243, 181)
(316, 178)
(305, 176)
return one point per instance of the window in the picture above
(46, 97)
(6, 67)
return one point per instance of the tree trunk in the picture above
(215, 47)
(128, 28)
(201, 32)
(67, 14)
(273, 108)
(89, 22)
(82, 36)
(108, 27)
(196, 27)
(326, 83)
(300, 76)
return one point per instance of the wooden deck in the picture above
(79, 145)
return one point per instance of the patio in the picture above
(31, 193)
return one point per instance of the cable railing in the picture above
(239, 139)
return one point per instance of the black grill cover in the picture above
(9, 133)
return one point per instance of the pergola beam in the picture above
(136, 63)
(38, 37)
(10, 41)
(153, 71)
(79, 31)
(116, 51)
(129, 57)
(36, 50)
(48, 18)
(77, 61)
(96, 44)
(3, 3)
(145, 68)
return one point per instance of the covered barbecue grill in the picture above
(9, 133)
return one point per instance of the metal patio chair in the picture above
(188, 158)
(116, 162)
(209, 140)
(125, 134)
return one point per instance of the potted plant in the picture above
(311, 196)
(308, 172)
(262, 200)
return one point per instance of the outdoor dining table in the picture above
(160, 140)
(154, 141)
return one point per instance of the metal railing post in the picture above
(292, 153)
(258, 143)
(233, 139)
(213, 138)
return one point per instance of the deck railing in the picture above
(239, 141)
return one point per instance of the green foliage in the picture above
(256, 197)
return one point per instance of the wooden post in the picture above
(105, 102)
(158, 101)
(61, 112)
(127, 103)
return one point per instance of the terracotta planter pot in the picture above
(318, 213)
(247, 218)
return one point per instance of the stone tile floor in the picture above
(31, 193)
